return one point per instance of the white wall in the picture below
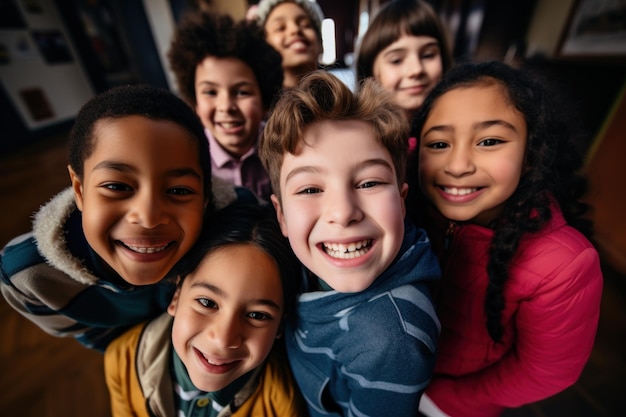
(65, 85)
(162, 24)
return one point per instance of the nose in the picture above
(459, 162)
(342, 208)
(293, 28)
(225, 102)
(148, 210)
(225, 331)
(414, 66)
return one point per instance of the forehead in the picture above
(227, 70)
(286, 9)
(336, 146)
(246, 265)
(326, 132)
(470, 104)
(139, 137)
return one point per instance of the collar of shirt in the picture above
(220, 157)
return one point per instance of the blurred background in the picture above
(57, 54)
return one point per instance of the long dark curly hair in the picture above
(552, 170)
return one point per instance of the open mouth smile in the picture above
(229, 125)
(459, 191)
(146, 249)
(347, 251)
(218, 366)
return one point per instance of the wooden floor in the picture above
(41, 375)
(44, 376)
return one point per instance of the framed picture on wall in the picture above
(52, 46)
(596, 29)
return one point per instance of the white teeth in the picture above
(297, 45)
(347, 251)
(229, 125)
(210, 362)
(141, 249)
(460, 191)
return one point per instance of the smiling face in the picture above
(471, 153)
(409, 68)
(224, 328)
(342, 208)
(141, 196)
(289, 30)
(229, 103)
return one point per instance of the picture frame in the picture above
(596, 29)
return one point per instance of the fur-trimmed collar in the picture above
(48, 229)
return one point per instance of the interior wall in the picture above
(40, 70)
(547, 26)
(606, 172)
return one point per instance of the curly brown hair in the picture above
(203, 34)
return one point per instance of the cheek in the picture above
(508, 176)
(96, 220)
(192, 225)
(253, 111)
(377, 70)
(178, 335)
(435, 70)
(204, 106)
(273, 41)
(424, 169)
(388, 78)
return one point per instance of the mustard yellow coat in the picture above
(140, 384)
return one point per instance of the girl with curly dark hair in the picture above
(520, 296)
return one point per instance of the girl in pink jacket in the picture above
(519, 301)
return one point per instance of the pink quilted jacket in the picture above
(552, 306)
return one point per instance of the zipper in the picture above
(448, 235)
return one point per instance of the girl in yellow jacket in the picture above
(215, 352)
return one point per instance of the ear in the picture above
(171, 309)
(404, 191)
(279, 214)
(77, 186)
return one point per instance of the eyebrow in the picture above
(476, 127)
(238, 84)
(127, 168)
(315, 169)
(222, 293)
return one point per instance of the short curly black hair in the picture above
(136, 100)
(203, 34)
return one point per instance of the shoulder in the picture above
(555, 246)
(30, 248)
(556, 261)
(19, 254)
(123, 348)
